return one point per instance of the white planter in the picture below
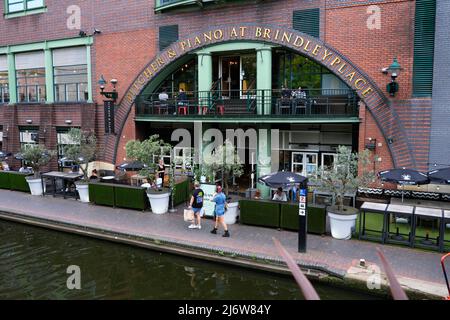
(232, 213)
(342, 225)
(83, 192)
(35, 186)
(159, 202)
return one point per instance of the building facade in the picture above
(314, 72)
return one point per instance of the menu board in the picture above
(208, 204)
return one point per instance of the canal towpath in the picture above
(417, 270)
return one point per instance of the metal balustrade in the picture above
(319, 103)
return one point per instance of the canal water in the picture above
(34, 262)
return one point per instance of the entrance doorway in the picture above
(237, 75)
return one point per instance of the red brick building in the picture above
(249, 55)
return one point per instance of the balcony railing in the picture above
(166, 4)
(317, 103)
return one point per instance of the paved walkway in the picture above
(335, 255)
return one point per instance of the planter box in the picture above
(260, 213)
(18, 182)
(182, 193)
(4, 180)
(130, 197)
(103, 194)
(316, 218)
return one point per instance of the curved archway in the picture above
(313, 48)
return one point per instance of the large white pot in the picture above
(83, 192)
(342, 224)
(35, 186)
(159, 202)
(232, 213)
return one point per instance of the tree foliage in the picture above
(143, 151)
(350, 171)
(223, 159)
(36, 156)
(82, 150)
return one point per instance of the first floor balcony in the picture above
(254, 105)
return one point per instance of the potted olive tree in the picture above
(225, 159)
(36, 156)
(347, 174)
(81, 151)
(143, 151)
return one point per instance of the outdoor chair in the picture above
(182, 109)
(284, 104)
(300, 105)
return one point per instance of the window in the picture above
(70, 74)
(13, 6)
(63, 141)
(167, 36)
(30, 73)
(307, 21)
(4, 89)
(29, 137)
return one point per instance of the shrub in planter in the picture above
(81, 150)
(143, 152)
(347, 174)
(36, 156)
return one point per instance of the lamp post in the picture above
(113, 95)
(394, 70)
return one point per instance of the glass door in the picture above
(298, 165)
(229, 73)
(328, 160)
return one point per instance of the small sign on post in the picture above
(109, 116)
(302, 216)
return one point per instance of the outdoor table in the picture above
(65, 177)
(428, 213)
(372, 207)
(108, 178)
(403, 210)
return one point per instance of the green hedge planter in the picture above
(4, 180)
(316, 218)
(103, 194)
(260, 213)
(18, 182)
(182, 193)
(131, 197)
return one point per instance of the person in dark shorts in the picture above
(196, 205)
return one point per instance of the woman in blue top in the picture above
(220, 199)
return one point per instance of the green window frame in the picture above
(167, 36)
(17, 8)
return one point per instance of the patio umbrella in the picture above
(4, 155)
(282, 179)
(404, 177)
(132, 166)
(440, 175)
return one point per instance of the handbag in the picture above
(188, 215)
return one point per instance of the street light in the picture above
(394, 70)
(113, 95)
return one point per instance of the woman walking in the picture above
(220, 199)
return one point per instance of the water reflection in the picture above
(33, 265)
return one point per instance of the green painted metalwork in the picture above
(50, 90)
(161, 5)
(264, 79)
(89, 75)
(25, 12)
(12, 79)
(424, 31)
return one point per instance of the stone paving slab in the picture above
(338, 256)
